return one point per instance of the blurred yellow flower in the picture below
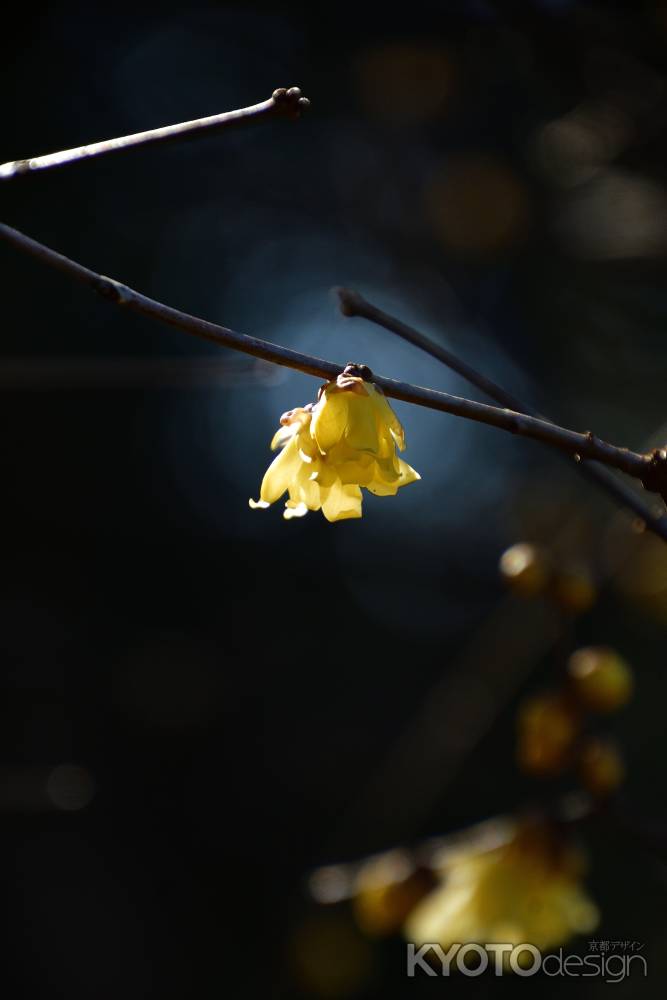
(527, 889)
(329, 450)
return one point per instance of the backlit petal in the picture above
(280, 473)
(387, 416)
(299, 511)
(342, 502)
(329, 420)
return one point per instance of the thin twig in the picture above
(285, 103)
(651, 467)
(354, 304)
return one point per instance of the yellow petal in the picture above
(387, 415)
(293, 422)
(389, 478)
(325, 473)
(380, 488)
(362, 424)
(408, 474)
(329, 419)
(388, 469)
(298, 511)
(341, 502)
(305, 490)
(280, 473)
(351, 466)
(282, 436)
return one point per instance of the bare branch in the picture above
(284, 103)
(354, 304)
(584, 445)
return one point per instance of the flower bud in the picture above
(600, 679)
(601, 768)
(525, 569)
(547, 727)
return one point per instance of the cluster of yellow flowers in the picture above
(332, 448)
(551, 725)
(552, 734)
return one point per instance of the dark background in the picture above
(201, 702)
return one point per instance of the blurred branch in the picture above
(650, 468)
(354, 304)
(283, 103)
(133, 372)
(454, 715)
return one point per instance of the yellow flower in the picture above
(527, 889)
(329, 450)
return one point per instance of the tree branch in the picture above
(354, 304)
(653, 465)
(283, 103)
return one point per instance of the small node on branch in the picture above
(358, 371)
(114, 290)
(655, 477)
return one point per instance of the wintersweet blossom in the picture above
(330, 449)
(525, 889)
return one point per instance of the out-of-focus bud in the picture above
(601, 768)
(525, 569)
(386, 889)
(600, 679)
(574, 590)
(547, 727)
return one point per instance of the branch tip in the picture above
(349, 302)
(290, 101)
(286, 102)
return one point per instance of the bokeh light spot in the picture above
(477, 204)
(405, 82)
